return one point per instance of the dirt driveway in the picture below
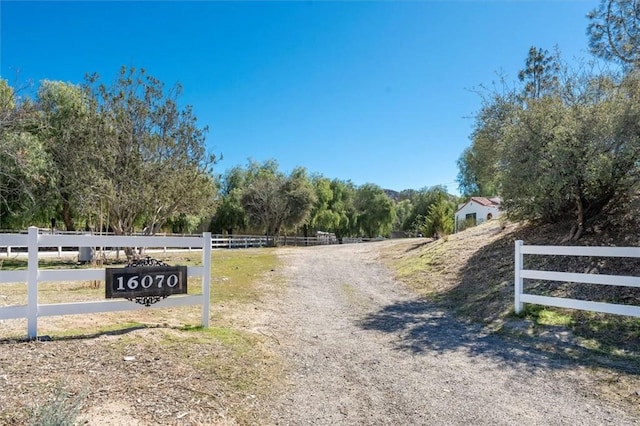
(363, 350)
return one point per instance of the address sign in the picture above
(145, 281)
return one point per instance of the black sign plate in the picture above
(144, 281)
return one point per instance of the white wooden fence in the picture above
(602, 279)
(217, 241)
(33, 275)
(253, 241)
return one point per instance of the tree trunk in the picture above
(579, 220)
(66, 215)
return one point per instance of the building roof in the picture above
(483, 201)
(487, 202)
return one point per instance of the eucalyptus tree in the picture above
(149, 153)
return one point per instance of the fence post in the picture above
(32, 283)
(518, 279)
(206, 278)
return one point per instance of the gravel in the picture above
(361, 349)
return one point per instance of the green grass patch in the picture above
(239, 342)
(428, 258)
(348, 290)
(15, 264)
(542, 315)
(235, 273)
(12, 264)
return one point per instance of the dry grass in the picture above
(156, 365)
(471, 273)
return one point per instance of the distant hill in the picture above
(394, 195)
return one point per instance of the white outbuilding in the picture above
(475, 211)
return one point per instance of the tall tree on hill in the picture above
(572, 154)
(540, 75)
(614, 31)
(479, 164)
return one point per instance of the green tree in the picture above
(274, 201)
(540, 75)
(230, 215)
(323, 218)
(614, 31)
(149, 154)
(404, 210)
(421, 202)
(343, 205)
(572, 154)
(479, 164)
(65, 132)
(23, 160)
(376, 211)
(440, 220)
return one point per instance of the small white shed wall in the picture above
(480, 211)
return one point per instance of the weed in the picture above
(61, 410)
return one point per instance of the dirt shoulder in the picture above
(362, 349)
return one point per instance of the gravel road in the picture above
(363, 350)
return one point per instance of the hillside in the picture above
(471, 273)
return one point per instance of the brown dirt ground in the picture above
(143, 367)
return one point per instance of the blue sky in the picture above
(378, 92)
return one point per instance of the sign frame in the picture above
(145, 281)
